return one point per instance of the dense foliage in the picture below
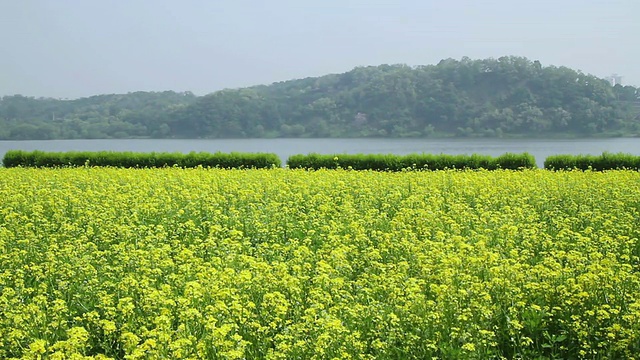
(509, 96)
(606, 161)
(391, 162)
(233, 160)
(139, 114)
(291, 264)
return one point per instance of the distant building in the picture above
(614, 79)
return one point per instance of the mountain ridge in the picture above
(505, 97)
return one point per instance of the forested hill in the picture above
(509, 96)
(139, 114)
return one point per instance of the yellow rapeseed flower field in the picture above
(291, 264)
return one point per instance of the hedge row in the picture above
(381, 162)
(390, 162)
(606, 161)
(36, 158)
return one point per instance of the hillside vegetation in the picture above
(509, 96)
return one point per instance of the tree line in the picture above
(508, 96)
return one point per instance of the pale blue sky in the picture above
(76, 48)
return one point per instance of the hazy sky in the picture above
(77, 48)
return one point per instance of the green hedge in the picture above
(606, 161)
(390, 162)
(36, 158)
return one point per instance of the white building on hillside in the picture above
(614, 79)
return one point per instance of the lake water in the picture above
(287, 147)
